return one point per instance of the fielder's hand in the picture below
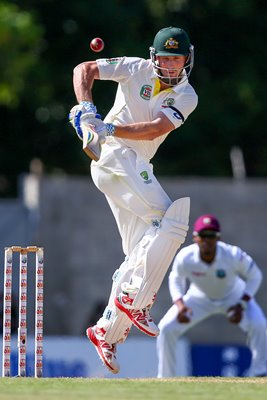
(235, 313)
(184, 315)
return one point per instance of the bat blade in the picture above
(91, 143)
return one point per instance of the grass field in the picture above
(128, 389)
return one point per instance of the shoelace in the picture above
(141, 315)
(110, 351)
(147, 315)
(111, 348)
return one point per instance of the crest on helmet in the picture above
(171, 43)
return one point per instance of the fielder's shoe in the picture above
(106, 351)
(140, 318)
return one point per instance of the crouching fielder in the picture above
(223, 279)
(153, 98)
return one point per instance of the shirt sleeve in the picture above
(249, 271)
(119, 69)
(184, 105)
(177, 279)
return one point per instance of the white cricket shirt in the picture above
(218, 280)
(138, 100)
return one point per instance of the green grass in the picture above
(128, 389)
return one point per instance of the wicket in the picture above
(7, 303)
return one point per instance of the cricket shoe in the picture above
(140, 318)
(106, 351)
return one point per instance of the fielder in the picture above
(153, 98)
(223, 279)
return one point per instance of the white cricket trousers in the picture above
(134, 195)
(136, 199)
(253, 323)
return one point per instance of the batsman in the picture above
(153, 99)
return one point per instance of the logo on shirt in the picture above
(146, 91)
(197, 273)
(113, 60)
(171, 44)
(169, 102)
(144, 175)
(220, 273)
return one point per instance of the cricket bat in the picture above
(91, 143)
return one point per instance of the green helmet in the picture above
(172, 42)
(169, 42)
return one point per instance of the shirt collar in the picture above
(176, 88)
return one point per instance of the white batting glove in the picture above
(89, 107)
(98, 126)
(94, 132)
(77, 113)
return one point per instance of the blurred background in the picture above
(219, 157)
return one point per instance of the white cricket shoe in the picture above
(106, 351)
(140, 318)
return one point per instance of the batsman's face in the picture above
(171, 66)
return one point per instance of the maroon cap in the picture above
(206, 222)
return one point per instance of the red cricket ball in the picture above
(97, 44)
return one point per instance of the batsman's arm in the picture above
(136, 131)
(84, 76)
(149, 130)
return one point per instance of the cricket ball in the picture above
(97, 44)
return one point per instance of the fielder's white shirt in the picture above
(138, 100)
(231, 269)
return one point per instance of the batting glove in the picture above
(95, 133)
(98, 126)
(77, 114)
